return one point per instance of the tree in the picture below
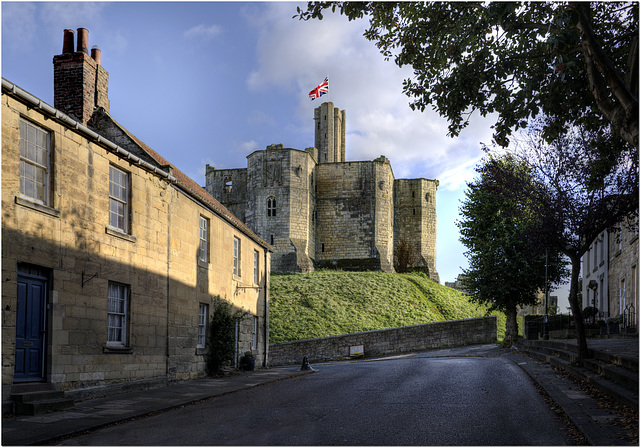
(575, 62)
(505, 269)
(585, 195)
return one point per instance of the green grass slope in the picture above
(329, 302)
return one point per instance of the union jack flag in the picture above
(320, 90)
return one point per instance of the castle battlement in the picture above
(320, 211)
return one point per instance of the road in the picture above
(407, 400)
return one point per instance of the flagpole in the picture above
(329, 95)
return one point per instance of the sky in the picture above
(211, 82)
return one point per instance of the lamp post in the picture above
(545, 322)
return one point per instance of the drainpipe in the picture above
(266, 310)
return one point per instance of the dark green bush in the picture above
(222, 337)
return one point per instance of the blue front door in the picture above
(30, 329)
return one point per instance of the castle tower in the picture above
(331, 133)
(80, 83)
(415, 225)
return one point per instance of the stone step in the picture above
(614, 380)
(39, 402)
(618, 374)
(43, 406)
(549, 345)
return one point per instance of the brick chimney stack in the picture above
(80, 83)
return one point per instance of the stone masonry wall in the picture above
(331, 213)
(229, 186)
(70, 241)
(401, 340)
(346, 207)
(623, 270)
(415, 220)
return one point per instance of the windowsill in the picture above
(117, 350)
(203, 264)
(202, 351)
(37, 207)
(117, 233)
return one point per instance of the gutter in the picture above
(65, 119)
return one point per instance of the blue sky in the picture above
(210, 82)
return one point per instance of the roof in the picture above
(196, 191)
(177, 177)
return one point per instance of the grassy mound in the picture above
(329, 302)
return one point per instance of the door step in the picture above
(39, 399)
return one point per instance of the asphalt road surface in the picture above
(410, 400)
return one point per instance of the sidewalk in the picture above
(92, 414)
(593, 421)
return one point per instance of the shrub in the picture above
(222, 338)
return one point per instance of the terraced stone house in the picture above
(111, 257)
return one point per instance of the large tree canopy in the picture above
(585, 195)
(576, 63)
(507, 268)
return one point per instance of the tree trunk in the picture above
(583, 351)
(511, 332)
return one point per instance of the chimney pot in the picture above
(83, 40)
(67, 43)
(95, 54)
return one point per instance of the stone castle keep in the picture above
(321, 211)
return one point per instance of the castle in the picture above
(319, 210)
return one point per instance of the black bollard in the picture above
(305, 364)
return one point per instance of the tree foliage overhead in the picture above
(576, 63)
(587, 193)
(500, 212)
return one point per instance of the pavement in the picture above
(583, 411)
(97, 413)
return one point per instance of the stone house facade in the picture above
(319, 210)
(610, 272)
(111, 257)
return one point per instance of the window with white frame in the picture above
(117, 313)
(256, 273)
(203, 312)
(586, 258)
(236, 256)
(35, 160)
(203, 251)
(118, 199)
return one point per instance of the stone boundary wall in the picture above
(422, 337)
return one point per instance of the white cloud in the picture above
(74, 14)
(203, 32)
(457, 176)
(246, 147)
(298, 55)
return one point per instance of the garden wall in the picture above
(422, 337)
